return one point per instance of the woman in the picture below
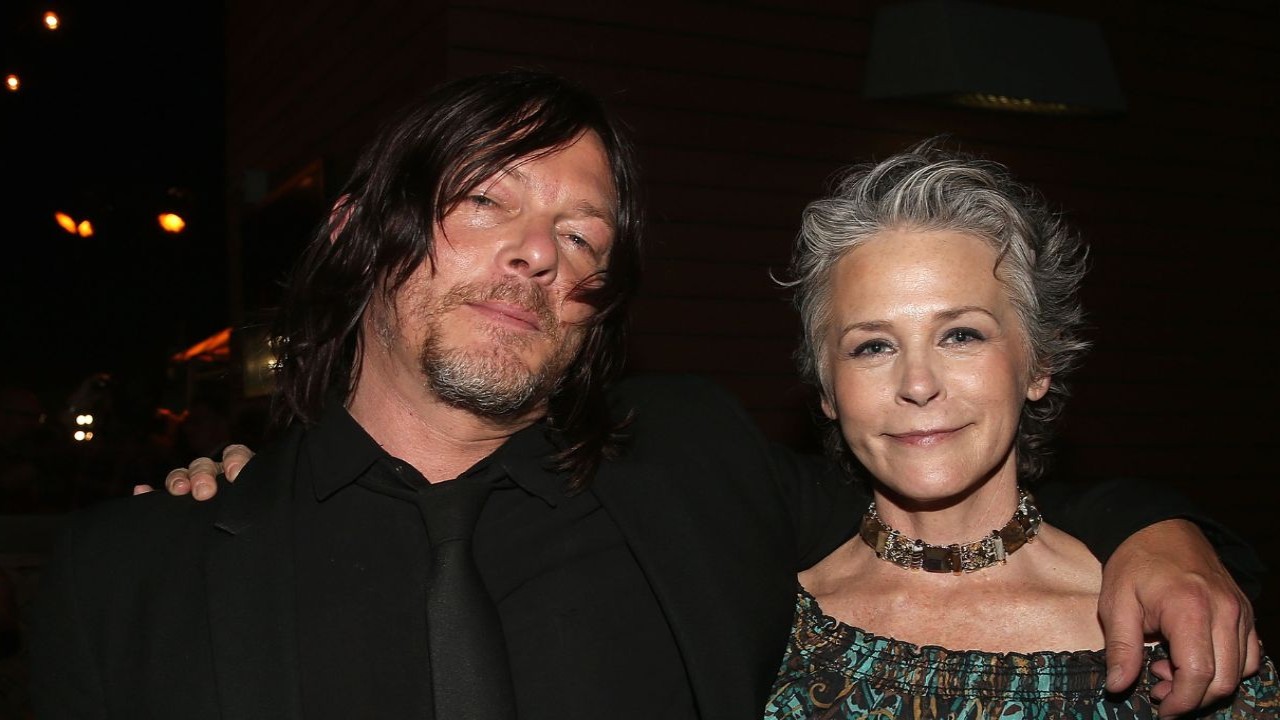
(939, 304)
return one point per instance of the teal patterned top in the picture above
(832, 671)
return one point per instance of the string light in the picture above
(65, 222)
(171, 222)
(12, 82)
(52, 21)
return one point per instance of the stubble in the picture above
(493, 380)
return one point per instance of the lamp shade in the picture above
(983, 55)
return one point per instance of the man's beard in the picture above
(492, 380)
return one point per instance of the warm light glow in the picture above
(88, 435)
(85, 228)
(84, 419)
(79, 435)
(51, 20)
(65, 222)
(12, 82)
(172, 222)
(215, 347)
(991, 101)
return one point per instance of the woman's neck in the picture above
(957, 519)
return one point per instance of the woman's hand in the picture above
(1167, 580)
(200, 477)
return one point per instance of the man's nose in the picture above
(532, 253)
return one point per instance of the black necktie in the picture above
(470, 673)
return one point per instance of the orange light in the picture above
(85, 228)
(12, 82)
(172, 222)
(51, 20)
(65, 222)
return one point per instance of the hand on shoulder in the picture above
(200, 478)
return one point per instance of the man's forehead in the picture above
(604, 208)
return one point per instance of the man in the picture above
(447, 342)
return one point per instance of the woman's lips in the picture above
(924, 438)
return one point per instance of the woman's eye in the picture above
(578, 240)
(963, 335)
(481, 200)
(871, 347)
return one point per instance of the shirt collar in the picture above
(341, 451)
(527, 456)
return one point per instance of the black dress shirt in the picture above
(555, 564)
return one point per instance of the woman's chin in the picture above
(930, 492)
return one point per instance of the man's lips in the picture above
(924, 437)
(508, 314)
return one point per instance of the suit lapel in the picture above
(250, 587)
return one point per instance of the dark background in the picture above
(248, 114)
(119, 118)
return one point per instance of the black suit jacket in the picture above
(163, 607)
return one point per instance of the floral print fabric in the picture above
(833, 671)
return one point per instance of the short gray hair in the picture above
(1040, 262)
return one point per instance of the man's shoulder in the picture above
(153, 522)
(670, 412)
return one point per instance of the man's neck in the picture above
(441, 440)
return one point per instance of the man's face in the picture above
(492, 326)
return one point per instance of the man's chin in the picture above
(488, 385)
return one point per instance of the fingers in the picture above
(142, 489)
(1253, 657)
(1230, 638)
(1122, 627)
(203, 477)
(234, 458)
(178, 482)
(1250, 645)
(1163, 672)
(200, 478)
(1187, 623)
(1226, 615)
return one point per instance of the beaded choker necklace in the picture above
(894, 547)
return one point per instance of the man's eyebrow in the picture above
(587, 208)
(584, 208)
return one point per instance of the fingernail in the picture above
(1113, 675)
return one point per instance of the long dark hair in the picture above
(417, 170)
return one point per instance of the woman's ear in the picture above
(828, 407)
(1038, 387)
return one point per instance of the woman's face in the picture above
(927, 363)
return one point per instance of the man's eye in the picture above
(871, 347)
